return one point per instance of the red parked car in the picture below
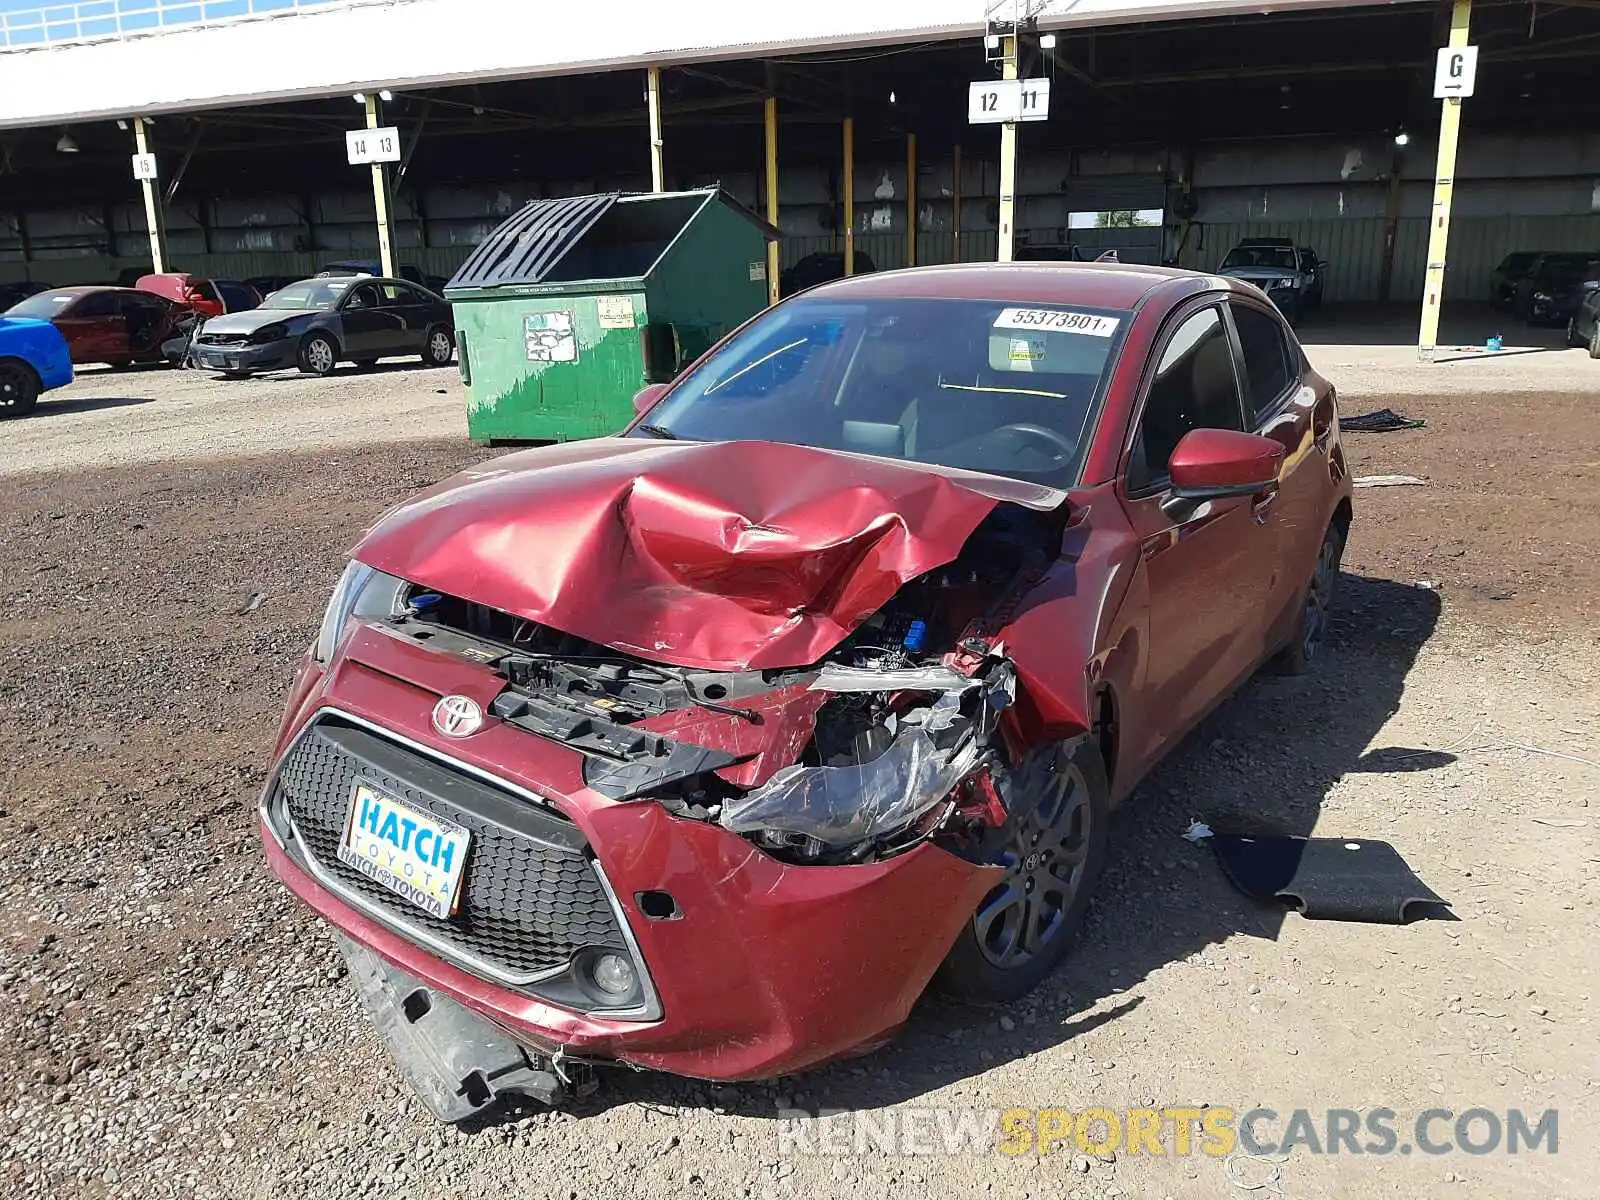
(112, 325)
(186, 291)
(708, 747)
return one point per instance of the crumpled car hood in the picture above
(712, 555)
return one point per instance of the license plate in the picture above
(414, 854)
(216, 360)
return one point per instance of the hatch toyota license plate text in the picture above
(412, 853)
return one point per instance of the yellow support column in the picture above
(849, 195)
(380, 195)
(658, 171)
(154, 217)
(1008, 164)
(773, 262)
(911, 199)
(1443, 194)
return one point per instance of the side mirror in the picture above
(1213, 464)
(645, 398)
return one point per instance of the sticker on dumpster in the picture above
(616, 312)
(758, 272)
(550, 338)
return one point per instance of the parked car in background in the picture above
(318, 323)
(357, 266)
(34, 358)
(1551, 292)
(821, 267)
(18, 291)
(119, 326)
(267, 284)
(237, 296)
(189, 291)
(1584, 327)
(1290, 275)
(1511, 269)
(707, 747)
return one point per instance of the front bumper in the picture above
(761, 968)
(274, 356)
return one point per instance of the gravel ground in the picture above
(175, 1026)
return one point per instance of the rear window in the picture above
(43, 306)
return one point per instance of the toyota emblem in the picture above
(457, 716)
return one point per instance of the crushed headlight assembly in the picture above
(360, 592)
(826, 811)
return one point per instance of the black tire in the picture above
(1573, 339)
(1311, 628)
(19, 388)
(318, 355)
(439, 347)
(1594, 340)
(1052, 863)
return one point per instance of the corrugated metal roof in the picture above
(422, 43)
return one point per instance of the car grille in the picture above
(232, 341)
(530, 896)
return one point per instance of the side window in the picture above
(364, 296)
(1194, 388)
(1269, 365)
(96, 304)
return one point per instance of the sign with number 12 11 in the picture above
(995, 101)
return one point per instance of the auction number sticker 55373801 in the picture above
(1057, 320)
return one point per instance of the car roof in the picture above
(1266, 241)
(1103, 285)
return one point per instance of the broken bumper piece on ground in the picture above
(457, 1063)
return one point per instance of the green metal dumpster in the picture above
(574, 304)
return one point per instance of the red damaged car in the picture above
(708, 747)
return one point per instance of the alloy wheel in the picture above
(1045, 866)
(1319, 596)
(440, 347)
(16, 389)
(320, 355)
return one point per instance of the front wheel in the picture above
(439, 348)
(19, 389)
(318, 355)
(1024, 927)
(1573, 339)
(1312, 628)
(1594, 340)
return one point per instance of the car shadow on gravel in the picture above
(1267, 758)
(60, 408)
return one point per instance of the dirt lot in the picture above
(175, 1026)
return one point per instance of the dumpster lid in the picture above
(570, 238)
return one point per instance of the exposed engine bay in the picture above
(891, 740)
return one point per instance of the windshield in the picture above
(1275, 258)
(43, 306)
(978, 384)
(313, 293)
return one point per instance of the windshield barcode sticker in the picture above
(1055, 320)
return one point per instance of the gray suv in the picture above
(1290, 275)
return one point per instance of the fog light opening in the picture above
(658, 906)
(613, 974)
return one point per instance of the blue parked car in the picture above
(33, 359)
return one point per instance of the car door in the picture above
(95, 330)
(146, 321)
(1287, 402)
(415, 313)
(368, 327)
(1206, 570)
